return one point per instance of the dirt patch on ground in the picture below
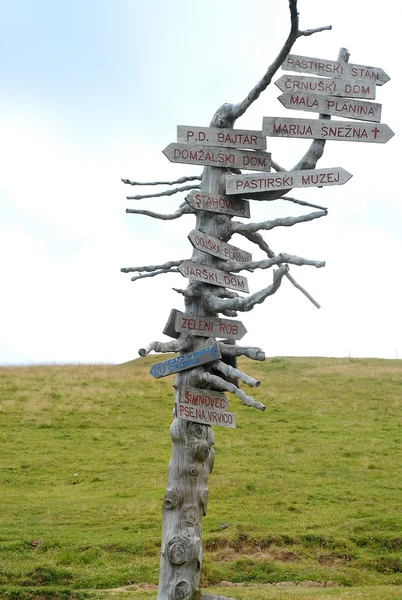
(257, 553)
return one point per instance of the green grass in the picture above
(310, 489)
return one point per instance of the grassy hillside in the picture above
(308, 491)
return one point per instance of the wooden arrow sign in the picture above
(350, 88)
(331, 105)
(204, 398)
(185, 361)
(219, 204)
(210, 245)
(228, 138)
(179, 322)
(207, 416)
(209, 326)
(208, 274)
(259, 182)
(212, 156)
(321, 129)
(332, 68)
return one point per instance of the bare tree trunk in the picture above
(192, 458)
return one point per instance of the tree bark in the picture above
(192, 457)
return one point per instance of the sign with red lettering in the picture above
(259, 182)
(212, 156)
(332, 68)
(209, 326)
(219, 204)
(321, 129)
(185, 361)
(331, 105)
(350, 88)
(210, 245)
(205, 398)
(208, 274)
(228, 138)
(207, 416)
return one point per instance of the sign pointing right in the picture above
(333, 68)
(320, 129)
(263, 182)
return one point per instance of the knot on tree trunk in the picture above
(181, 550)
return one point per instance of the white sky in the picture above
(92, 91)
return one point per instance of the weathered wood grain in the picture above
(259, 182)
(210, 245)
(228, 138)
(218, 203)
(207, 274)
(320, 129)
(332, 68)
(207, 416)
(203, 398)
(209, 326)
(343, 87)
(212, 156)
(331, 105)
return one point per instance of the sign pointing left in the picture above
(212, 156)
(185, 361)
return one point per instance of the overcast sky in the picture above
(92, 91)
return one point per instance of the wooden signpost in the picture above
(210, 245)
(259, 182)
(208, 416)
(183, 362)
(207, 274)
(320, 129)
(218, 203)
(198, 335)
(350, 88)
(212, 156)
(331, 105)
(204, 398)
(332, 68)
(228, 138)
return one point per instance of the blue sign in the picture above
(185, 361)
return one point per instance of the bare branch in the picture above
(303, 203)
(229, 313)
(155, 274)
(222, 385)
(184, 344)
(234, 267)
(257, 238)
(233, 373)
(186, 293)
(185, 188)
(184, 209)
(238, 227)
(307, 32)
(149, 268)
(227, 114)
(302, 290)
(181, 180)
(216, 305)
(249, 351)
(276, 167)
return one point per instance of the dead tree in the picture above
(192, 458)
